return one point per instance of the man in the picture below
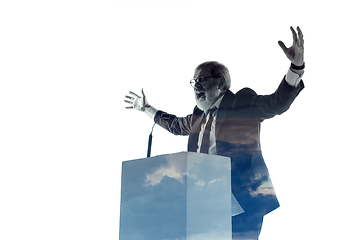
(228, 124)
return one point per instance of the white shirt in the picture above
(212, 148)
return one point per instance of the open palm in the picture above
(295, 53)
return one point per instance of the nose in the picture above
(198, 87)
(197, 84)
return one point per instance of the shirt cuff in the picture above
(151, 111)
(292, 78)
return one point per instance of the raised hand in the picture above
(137, 102)
(295, 53)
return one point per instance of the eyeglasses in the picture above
(200, 80)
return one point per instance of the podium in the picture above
(181, 196)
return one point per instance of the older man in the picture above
(228, 124)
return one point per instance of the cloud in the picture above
(213, 181)
(265, 188)
(173, 169)
(169, 171)
(200, 183)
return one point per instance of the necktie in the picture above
(205, 144)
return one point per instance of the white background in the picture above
(65, 67)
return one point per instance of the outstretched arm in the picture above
(175, 125)
(140, 103)
(277, 103)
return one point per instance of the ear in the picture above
(222, 84)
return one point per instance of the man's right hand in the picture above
(137, 102)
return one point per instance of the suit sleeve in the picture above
(267, 106)
(175, 125)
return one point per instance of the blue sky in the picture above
(65, 67)
(158, 203)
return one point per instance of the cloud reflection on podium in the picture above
(176, 196)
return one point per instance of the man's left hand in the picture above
(295, 53)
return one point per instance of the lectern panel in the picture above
(176, 197)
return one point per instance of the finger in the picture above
(294, 35)
(142, 91)
(134, 94)
(299, 30)
(301, 36)
(144, 98)
(129, 107)
(131, 98)
(282, 45)
(143, 94)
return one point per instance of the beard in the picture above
(203, 104)
(205, 99)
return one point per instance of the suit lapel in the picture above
(224, 110)
(199, 117)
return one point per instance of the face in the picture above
(208, 92)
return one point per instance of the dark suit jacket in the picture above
(237, 132)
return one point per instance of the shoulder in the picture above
(243, 98)
(240, 96)
(245, 92)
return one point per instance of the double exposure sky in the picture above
(65, 67)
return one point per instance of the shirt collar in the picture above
(216, 104)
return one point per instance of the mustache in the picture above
(199, 89)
